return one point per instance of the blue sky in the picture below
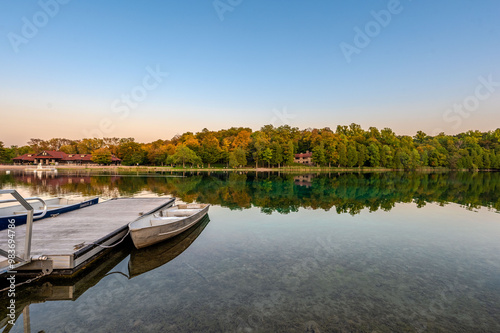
(264, 62)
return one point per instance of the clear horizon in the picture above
(151, 71)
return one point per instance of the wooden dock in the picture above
(68, 242)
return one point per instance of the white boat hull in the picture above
(150, 230)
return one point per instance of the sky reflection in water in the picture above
(408, 269)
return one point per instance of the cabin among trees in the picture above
(58, 157)
(305, 158)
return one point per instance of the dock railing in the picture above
(29, 225)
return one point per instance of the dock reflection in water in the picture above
(70, 289)
(60, 289)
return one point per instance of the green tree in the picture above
(288, 153)
(233, 160)
(241, 156)
(237, 158)
(420, 137)
(4, 154)
(101, 156)
(362, 154)
(71, 148)
(386, 157)
(267, 155)
(318, 154)
(277, 154)
(477, 157)
(465, 161)
(374, 155)
(403, 159)
(184, 154)
(495, 160)
(397, 160)
(259, 144)
(415, 159)
(342, 149)
(88, 146)
(352, 155)
(131, 153)
(486, 160)
(156, 152)
(388, 137)
(331, 153)
(210, 151)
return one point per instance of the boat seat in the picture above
(162, 220)
(192, 206)
(182, 212)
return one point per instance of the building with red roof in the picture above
(304, 158)
(58, 157)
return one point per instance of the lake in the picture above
(343, 252)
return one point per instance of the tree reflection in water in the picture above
(282, 193)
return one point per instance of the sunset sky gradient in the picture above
(74, 69)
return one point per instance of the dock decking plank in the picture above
(59, 235)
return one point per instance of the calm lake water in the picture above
(382, 252)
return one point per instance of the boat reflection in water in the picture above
(70, 289)
(151, 257)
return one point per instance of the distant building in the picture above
(59, 157)
(305, 158)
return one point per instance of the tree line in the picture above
(345, 147)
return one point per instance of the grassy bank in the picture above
(287, 169)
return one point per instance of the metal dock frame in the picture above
(26, 259)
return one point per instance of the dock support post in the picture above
(29, 218)
(26, 319)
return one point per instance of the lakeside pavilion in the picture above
(58, 157)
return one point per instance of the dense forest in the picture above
(347, 147)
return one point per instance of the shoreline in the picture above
(293, 169)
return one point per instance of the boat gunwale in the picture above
(20, 218)
(178, 218)
(196, 217)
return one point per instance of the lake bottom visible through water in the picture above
(408, 270)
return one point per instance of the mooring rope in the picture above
(25, 282)
(110, 246)
(121, 273)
